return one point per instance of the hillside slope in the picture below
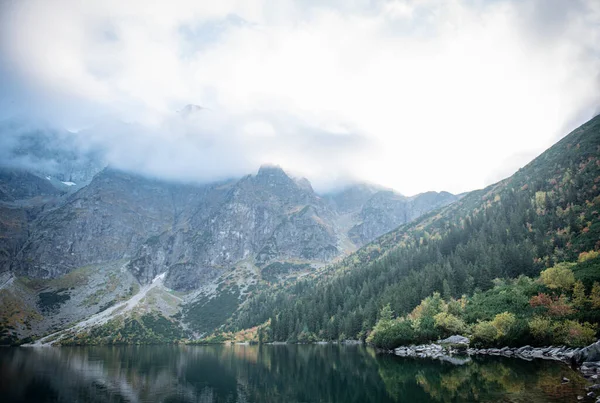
(215, 244)
(545, 213)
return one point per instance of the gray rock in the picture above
(589, 353)
(591, 364)
(196, 234)
(385, 210)
(456, 339)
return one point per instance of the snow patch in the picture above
(68, 183)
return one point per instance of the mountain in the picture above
(178, 250)
(19, 184)
(57, 155)
(384, 210)
(545, 214)
(132, 259)
(127, 256)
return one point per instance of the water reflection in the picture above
(312, 373)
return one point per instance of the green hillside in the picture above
(545, 214)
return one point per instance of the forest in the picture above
(458, 263)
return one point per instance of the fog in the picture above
(413, 95)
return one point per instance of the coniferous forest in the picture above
(470, 268)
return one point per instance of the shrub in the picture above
(540, 300)
(449, 324)
(503, 322)
(518, 335)
(585, 256)
(484, 333)
(560, 307)
(558, 277)
(541, 329)
(457, 306)
(557, 306)
(425, 330)
(575, 334)
(429, 307)
(398, 332)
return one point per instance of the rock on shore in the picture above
(459, 345)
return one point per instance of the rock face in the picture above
(192, 230)
(18, 184)
(92, 237)
(263, 218)
(94, 242)
(351, 199)
(589, 353)
(66, 212)
(385, 210)
(105, 221)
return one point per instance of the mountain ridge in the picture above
(258, 230)
(543, 214)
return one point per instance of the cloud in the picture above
(415, 95)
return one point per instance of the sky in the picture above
(415, 95)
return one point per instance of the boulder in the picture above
(456, 339)
(589, 353)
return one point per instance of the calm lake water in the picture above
(283, 373)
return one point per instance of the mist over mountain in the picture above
(383, 200)
(192, 145)
(203, 255)
(69, 219)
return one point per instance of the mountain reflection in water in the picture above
(281, 373)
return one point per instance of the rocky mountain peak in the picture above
(271, 170)
(273, 176)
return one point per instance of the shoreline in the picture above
(528, 353)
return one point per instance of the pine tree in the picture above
(595, 295)
(579, 298)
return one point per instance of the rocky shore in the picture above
(564, 354)
(459, 346)
(444, 351)
(456, 349)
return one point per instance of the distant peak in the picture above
(190, 110)
(273, 175)
(270, 170)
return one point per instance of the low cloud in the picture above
(415, 95)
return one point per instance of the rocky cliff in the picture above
(210, 242)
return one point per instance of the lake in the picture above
(271, 373)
